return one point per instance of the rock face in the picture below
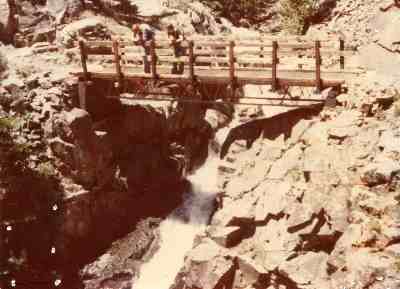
(270, 127)
(313, 211)
(86, 154)
(119, 266)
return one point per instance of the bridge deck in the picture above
(221, 75)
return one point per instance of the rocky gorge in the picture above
(306, 199)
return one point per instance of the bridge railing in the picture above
(227, 60)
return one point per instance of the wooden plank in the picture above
(310, 53)
(134, 56)
(245, 40)
(255, 73)
(241, 56)
(274, 84)
(318, 81)
(165, 52)
(184, 59)
(212, 102)
(253, 60)
(218, 79)
(101, 50)
(260, 37)
(212, 59)
(83, 59)
(104, 47)
(207, 68)
(132, 49)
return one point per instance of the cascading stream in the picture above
(181, 226)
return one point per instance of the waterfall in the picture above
(181, 226)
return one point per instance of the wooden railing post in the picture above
(82, 48)
(318, 81)
(117, 60)
(191, 61)
(82, 83)
(341, 48)
(232, 66)
(153, 58)
(274, 65)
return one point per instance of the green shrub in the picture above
(235, 10)
(295, 15)
(46, 169)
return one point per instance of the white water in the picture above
(181, 226)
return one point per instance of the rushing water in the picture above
(181, 226)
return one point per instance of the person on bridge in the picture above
(176, 38)
(142, 35)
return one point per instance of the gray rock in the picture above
(226, 168)
(226, 236)
(310, 268)
(59, 9)
(93, 155)
(389, 37)
(389, 141)
(248, 273)
(380, 172)
(288, 162)
(329, 95)
(206, 266)
(72, 31)
(63, 150)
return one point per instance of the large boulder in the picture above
(90, 26)
(386, 24)
(61, 9)
(380, 172)
(207, 266)
(86, 154)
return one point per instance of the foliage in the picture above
(235, 10)
(29, 190)
(296, 15)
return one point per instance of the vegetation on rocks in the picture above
(235, 11)
(296, 15)
(17, 173)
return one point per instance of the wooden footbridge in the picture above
(214, 67)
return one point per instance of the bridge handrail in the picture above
(229, 54)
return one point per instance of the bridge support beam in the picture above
(82, 89)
